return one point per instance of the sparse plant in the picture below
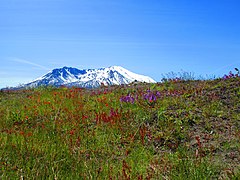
(180, 76)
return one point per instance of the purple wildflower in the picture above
(158, 94)
(127, 98)
(225, 77)
(150, 96)
(230, 75)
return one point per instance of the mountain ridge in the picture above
(88, 78)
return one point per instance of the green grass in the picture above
(172, 130)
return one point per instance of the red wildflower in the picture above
(29, 134)
(72, 132)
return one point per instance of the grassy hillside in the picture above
(171, 130)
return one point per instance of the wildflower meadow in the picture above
(177, 129)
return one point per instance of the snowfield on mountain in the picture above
(88, 78)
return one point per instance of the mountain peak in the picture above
(89, 78)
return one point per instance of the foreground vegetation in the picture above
(172, 130)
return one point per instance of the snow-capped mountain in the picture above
(88, 78)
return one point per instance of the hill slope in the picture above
(172, 130)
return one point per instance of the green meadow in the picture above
(171, 130)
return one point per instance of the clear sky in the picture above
(150, 37)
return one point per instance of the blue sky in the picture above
(150, 37)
